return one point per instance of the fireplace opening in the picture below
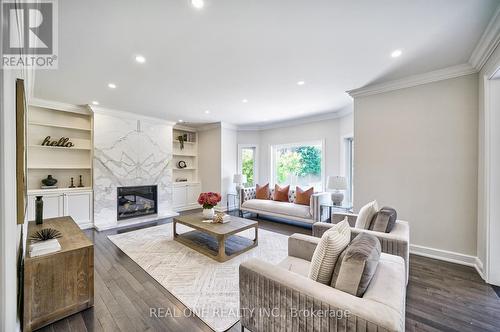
(135, 202)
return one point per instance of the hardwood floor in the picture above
(440, 296)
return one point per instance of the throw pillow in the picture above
(366, 214)
(262, 192)
(281, 193)
(303, 197)
(332, 243)
(356, 265)
(384, 220)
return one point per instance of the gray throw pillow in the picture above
(384, 220)
(356, 265)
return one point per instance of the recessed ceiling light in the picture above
(95, 102)
(140, 59)
(301, 83)
(198, 4)
(112, 85)
(396, 53)
(180, 121)
(244, 101)
(207, 112)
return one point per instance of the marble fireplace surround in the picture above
(130, 150)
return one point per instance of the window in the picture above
(247, 163)
(349, 167)
(300, 164)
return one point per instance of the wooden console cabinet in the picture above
(58, 284)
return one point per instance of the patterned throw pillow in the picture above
(281, 193)
(366, 215)
(303, 196)
(262, 192)
(356, 265)
(332, 243)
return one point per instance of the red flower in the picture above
(209, 200)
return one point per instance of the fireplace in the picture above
(135, 202)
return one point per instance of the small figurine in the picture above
(72, 185)
(81, 183)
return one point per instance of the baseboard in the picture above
(448, 256)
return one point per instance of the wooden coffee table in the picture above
(217, 241)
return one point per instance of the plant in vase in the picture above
(208, 201)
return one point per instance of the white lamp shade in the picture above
(336, 183)
(239, 178)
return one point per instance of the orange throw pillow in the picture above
(281, 194)
(303, 197)
(262, 192)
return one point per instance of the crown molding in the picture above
(489, 41)
(185, 128)
(59, 106)
(210, 126)
(128, 115)
(299, 121)
(227, 125)
(414, 80)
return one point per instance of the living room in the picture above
(226, 165)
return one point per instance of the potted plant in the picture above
(208, 201)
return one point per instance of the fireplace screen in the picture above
(136, 201)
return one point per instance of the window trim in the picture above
(348, 163)
(272, 158)
(255, 163)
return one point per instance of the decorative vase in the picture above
(39, 210)
(208, 213)
(49, 181)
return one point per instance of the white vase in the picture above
(208, 213)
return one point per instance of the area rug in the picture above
(208, 288)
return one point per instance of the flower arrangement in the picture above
(209, 200)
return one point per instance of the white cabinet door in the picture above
(193, 191)
(78, 205)
(52, 206)
(179, 196)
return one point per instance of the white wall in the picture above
(210, 154)
(329, 130)
(229, 159)
(416, 150)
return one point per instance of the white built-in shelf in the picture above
(184, 169)
(185, 154)
(176, 141)
(58, 147)
(58, 190)
(44, 124)
(58, 167)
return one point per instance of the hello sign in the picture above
(62, 142)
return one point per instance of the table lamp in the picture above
(337, 183)
(239, 180)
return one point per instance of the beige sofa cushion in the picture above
(388, 284)
(284, 208)
(332, 243)
(296, 265)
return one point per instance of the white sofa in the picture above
(286, 210)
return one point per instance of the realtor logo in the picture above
(29, 34)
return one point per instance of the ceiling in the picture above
(213, 58)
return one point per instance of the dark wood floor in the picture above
(440, 296)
